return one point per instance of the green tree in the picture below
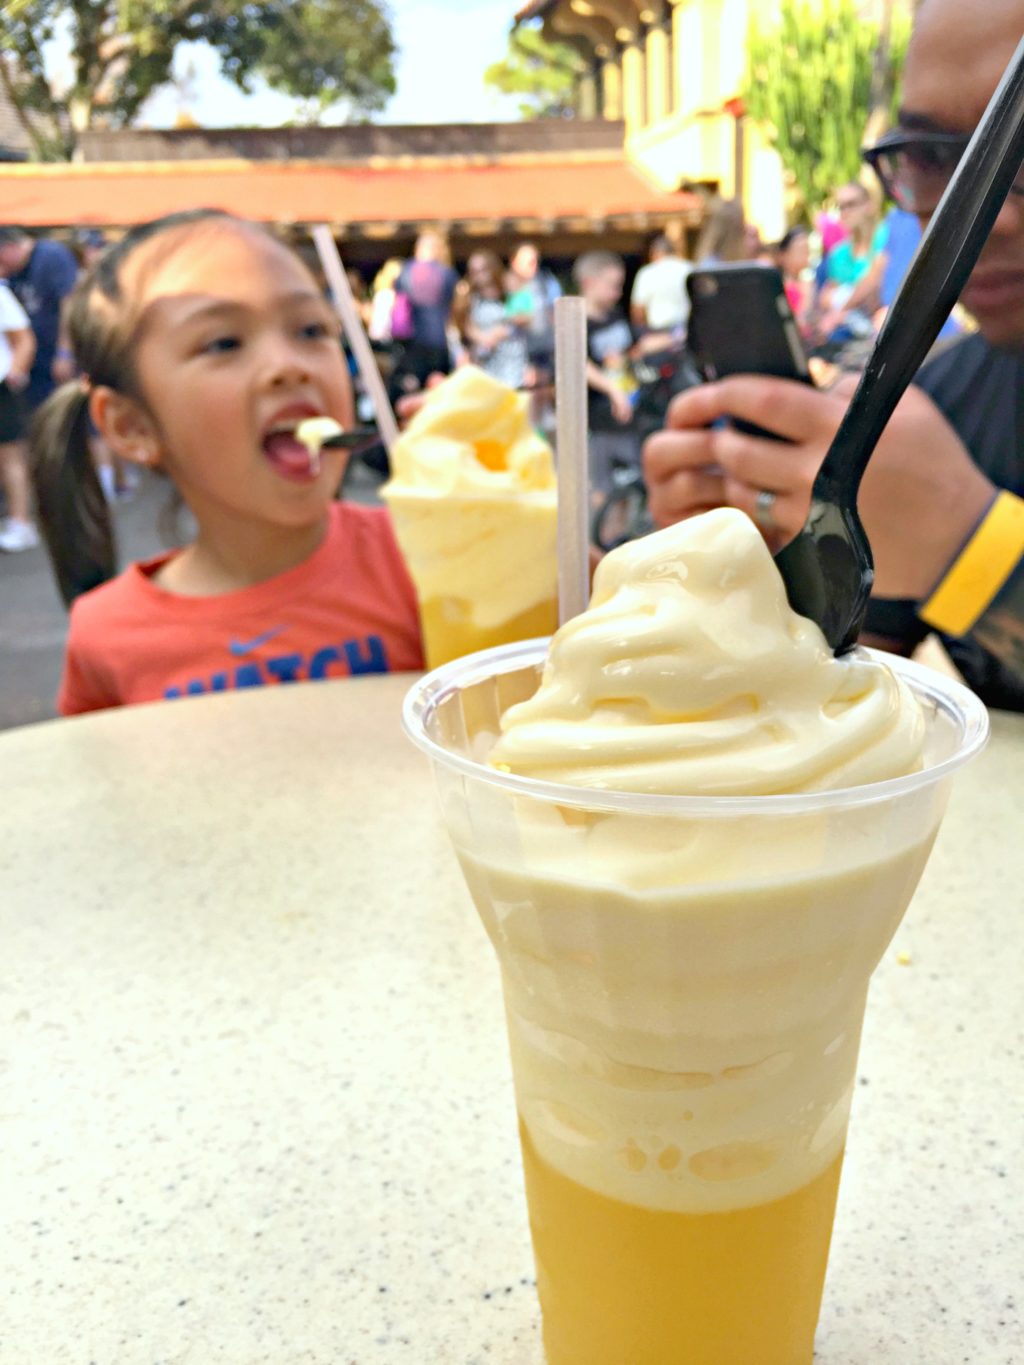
(815, 76)
(324, 52)
(544, 72)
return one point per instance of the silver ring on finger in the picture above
(764, 510)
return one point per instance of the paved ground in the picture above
(33, 621)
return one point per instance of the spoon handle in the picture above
(944, 260)
(349, 440)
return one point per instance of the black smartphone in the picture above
(741, 323)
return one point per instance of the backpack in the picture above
(402, 328)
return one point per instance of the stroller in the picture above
(661, 375)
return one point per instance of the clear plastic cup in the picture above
(685, 981)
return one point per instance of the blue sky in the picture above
(445, 46)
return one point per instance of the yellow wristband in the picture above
(980, 570)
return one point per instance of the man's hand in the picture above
(690, 468)
(17, 380)
(921, 498)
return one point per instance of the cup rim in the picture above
(953, 699)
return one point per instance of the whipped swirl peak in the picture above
(472, 435)
(690, 674)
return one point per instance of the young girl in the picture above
(203, 342)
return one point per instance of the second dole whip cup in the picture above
(472, 498)
(690, 846)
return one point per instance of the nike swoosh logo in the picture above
(246, 646)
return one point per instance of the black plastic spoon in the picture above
(828, 569)
(354, 439)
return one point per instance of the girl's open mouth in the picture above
(289, 457)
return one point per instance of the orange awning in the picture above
(545, 191)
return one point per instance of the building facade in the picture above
(673, 70)
(565, 184)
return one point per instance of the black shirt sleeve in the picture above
(980, 392)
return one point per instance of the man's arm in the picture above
(63, 367)
(925, 504)
(23, 352)
(981, 593)
(63, 277)
(622, 409)
(922, 495)
(638, 302)
(65, 274)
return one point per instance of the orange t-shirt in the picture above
(350, 608)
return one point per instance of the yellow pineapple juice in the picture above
(738, 1286)
(473, 501)
(689, 845)
(684, 1065)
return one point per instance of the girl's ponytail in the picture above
(73, 512)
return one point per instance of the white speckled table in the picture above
(256, 1106)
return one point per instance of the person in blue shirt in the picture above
(41, 274)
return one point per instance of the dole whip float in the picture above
(689, 845)
(472, 498)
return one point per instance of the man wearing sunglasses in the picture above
(932, 500)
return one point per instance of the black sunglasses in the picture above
(914, 168)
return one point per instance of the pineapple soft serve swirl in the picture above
(473, 494)
(472, 435)
(690, 674)
(707, 1062)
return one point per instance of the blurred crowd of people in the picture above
(37, 277)
(424, 319)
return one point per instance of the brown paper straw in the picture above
(330, 259)
(573, 483)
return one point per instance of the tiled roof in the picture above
(117, 194)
